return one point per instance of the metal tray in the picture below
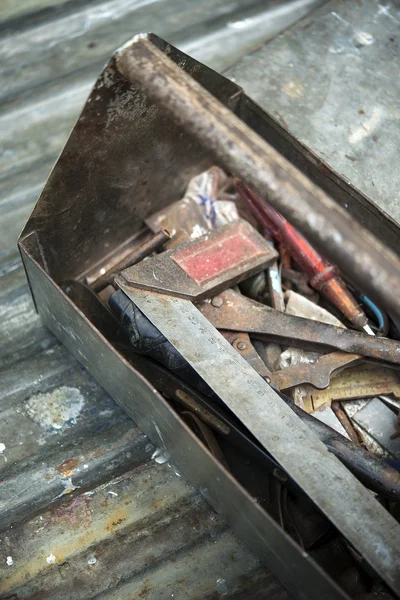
(124, 160)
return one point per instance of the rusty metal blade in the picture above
(317, 374)
(238, 313)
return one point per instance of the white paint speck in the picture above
(160, 456)
(10, 561)
(92, 561)
(85, 466)
(56, 409)
(68, 486)
(242, 24)
(364, 38)
(51, 559)
(2, 448)
(112, 493)
(339, 18)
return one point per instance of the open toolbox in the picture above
(154, 260)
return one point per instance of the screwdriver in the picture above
(323, 275)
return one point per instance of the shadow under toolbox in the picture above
(294, 490)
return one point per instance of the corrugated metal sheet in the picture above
(332, 81)
(85, 511)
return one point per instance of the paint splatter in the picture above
(2, 448)
(56, 409)
(363, 38)
(51, 559)
(294, 89)
(68, 486)
(160, 456)
(10, 561)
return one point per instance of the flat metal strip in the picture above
(335, 491)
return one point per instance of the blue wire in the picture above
(378, 314)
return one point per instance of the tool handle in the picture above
(322, 275)
(308, 259)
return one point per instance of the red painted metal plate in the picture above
(211, 258)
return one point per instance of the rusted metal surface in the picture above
(205, 415)
(242, 152)
(154, 416)
(147, 248)
(229, 254)
(375, 474)
(317, 374)
(242, 343)
(321, 476)
(121, 181)
(322, 275)
(364, 381)
(345, 421)
(238, 313)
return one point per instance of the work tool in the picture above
(345, 421)
(242, 343)
(240, 150)
(275, 287)
(276, 427)
(323, 276)
(374, 473)
(155, 242)
(199, 269)
(238, 313)
(317, 374)
(364, 381)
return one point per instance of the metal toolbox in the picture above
(125, 159)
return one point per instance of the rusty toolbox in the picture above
(155, 119)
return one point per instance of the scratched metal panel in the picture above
(84, 508)
(332, 80)
(79, 481)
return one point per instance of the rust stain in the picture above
(146, 589)
(75, 513)
(68, 467)
(115, 521)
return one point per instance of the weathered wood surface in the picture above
(78, 481)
